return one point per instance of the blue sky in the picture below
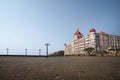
(32, 23)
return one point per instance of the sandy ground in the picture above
(60, 68)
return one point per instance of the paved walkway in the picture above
(60, 68)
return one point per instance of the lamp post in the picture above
(7, 50)
(26, 51)
(115, 46)
(47, 44)
(39, 52)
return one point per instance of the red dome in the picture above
(77, 32)
(102, 33)
(92, 30)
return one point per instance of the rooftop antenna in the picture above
(113, 33)
(92, 26)
(77, 28)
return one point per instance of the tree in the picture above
(116, 51)
(89, 50)
(58, 53)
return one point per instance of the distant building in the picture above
(101, 42)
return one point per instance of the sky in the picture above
(32, 23)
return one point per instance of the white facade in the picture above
(101, 42)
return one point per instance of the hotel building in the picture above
(101, 42)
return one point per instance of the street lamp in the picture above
(7, 50)
(47, 44)
(39, 52)
(26, 51)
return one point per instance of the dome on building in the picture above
(92, 30)
(65, 44)
(102, 33)
(77, 32)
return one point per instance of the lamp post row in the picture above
(47, 44)
(25, 51)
